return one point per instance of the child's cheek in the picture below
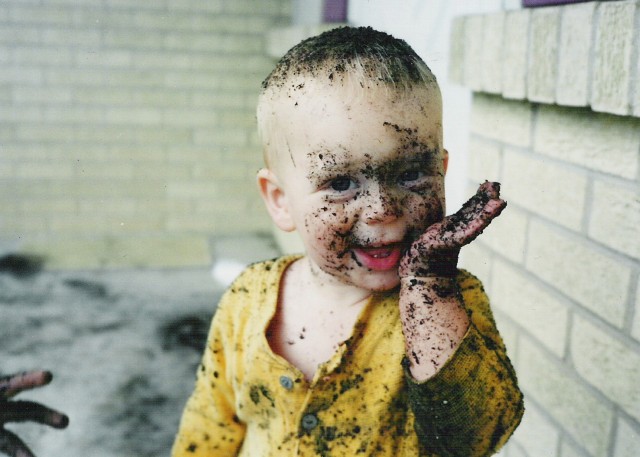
(423, 212)
(329, 227)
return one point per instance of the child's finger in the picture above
(28, 411)
(13, 446)
(14, 384)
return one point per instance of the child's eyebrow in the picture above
(421, 155)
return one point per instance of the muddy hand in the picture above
(435, 253)
(24, 411)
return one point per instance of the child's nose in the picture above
(380, 205)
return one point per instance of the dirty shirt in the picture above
(248, 401)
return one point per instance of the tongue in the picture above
(379, 259)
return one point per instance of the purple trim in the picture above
(531, 3)
(335, 11)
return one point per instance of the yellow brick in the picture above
(28, 14)
(49, 205)
(193, 223)
(58, 133)
(6, 170)
(163, 171)
(192, 189)
(124, 206)
(615, 217)
(44, 170)
(23, 114)
(43, 56)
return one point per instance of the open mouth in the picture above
(380, 258)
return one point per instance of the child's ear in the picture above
(445, 160)
(275, 200)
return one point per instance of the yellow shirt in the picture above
(251, 402)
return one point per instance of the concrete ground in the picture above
(123, 346)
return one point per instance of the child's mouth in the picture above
(381, 258)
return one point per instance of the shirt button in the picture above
(286, 382)
(309, 421)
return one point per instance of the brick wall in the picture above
(127, 128)
(555, 118)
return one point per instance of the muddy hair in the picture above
(360, 56)
(362, 51)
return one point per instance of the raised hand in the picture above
(435, 253)
(24, 411)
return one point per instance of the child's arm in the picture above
(461, 385)
(209, 426)
(433, 317)
(24, 411)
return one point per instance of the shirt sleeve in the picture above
(209, 426)
(472, 405)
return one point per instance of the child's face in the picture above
(363, 176)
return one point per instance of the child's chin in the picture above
(377, 281)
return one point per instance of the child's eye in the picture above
(410, 176)
(342, 183)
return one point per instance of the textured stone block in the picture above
(535, 434)
(133, 116)
(543, 55)
(507, 234)
(484, 160)
(636, 101)
(612, 57)
(43, 56)
(600, 142)
(31, 14)
(615, 217)
(503, 120)
(73, 115)
(71, 37)
(527, 303)
(151, 251)
(544, 188)
(192, 189)
(574, 54)
(473, 52)
(515, 51)
(607, 363)
(456, 51)
(582, 414)
(627, 440)
(597, 281)
(228, 137)
(478, 260)
(636, 320)
(569, 450)
(26, 114)
(492, 59)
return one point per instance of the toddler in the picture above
(372, 342)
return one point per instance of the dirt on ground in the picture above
(123, 346)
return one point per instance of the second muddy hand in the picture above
(24, 411)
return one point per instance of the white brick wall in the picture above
(123, 121)
(592, 48)
(562, 263)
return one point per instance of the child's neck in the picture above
(315, 314)
(334, 292)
